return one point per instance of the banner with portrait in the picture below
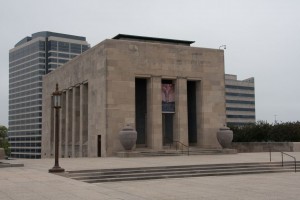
(168, 98)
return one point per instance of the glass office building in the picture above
(240, 100)
(29, 60)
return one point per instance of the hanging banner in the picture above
(168, 98)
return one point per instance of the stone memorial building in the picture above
(164, 88)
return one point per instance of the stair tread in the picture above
(184, 166)
(145, 173)
(183, 175)
(141, 171)
(181, 171)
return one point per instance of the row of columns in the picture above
(74, 117)
(73, 126)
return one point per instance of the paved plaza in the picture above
(33, 182)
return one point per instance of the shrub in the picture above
(263, 132)
(3, 140)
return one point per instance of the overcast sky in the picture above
(262, 37)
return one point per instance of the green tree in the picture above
(3, 140)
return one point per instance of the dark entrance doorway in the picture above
(99, 145)
(141, 110)
(167, 125)
(192, 111)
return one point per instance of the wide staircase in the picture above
(183, 171)
(179, 152)
(174, 148)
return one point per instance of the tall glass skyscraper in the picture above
(29, 60)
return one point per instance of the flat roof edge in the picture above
(151, 39)
(47, 34)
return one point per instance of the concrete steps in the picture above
(174, 152)
(4, 165)
(146, 173)
(201, 151)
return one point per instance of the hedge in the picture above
(264, 132)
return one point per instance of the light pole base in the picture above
(56, 169)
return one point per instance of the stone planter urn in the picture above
(225, 136)
(128, 137)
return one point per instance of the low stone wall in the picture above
(2, 154)
(265, 146)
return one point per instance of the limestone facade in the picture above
(99, 96)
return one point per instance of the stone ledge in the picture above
(229, 151)
(4, 165)
(244, 147)
(128, 154)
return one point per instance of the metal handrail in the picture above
(270, 151)
(291, 157)
(178, 142)
(183, 145)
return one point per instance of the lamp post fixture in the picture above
(57, 105)
(222, 46)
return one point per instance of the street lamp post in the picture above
(57, 105)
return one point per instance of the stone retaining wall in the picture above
(265, 146)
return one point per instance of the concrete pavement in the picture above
(34, 182)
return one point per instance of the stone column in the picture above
(75, 122)
(154, 115)
(199, 100)
(68, 123)
(83, 121)
(62, 126)
(181, 111)
(47, 128)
